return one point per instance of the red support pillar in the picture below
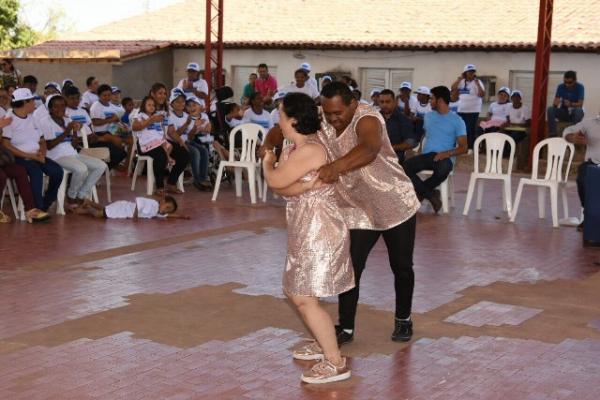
(213, 45)
(542, 67)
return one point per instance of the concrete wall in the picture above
(136, 76)
(430, 68)
(46, 71)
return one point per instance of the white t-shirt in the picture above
(88, 99)
(519, 115)
(51, 130)
(146, 208)
(178, 122)
(199, 85)
(275, 116)
(2, 112)
(499, 111)
(151, 136)
(23, 133)
(100, 111)
(264, 119)
(420, 110)
(412, 103)
(79, 115)
(468, 100)
(40, 114)
(38, 101)
(306, 89)
(203, 136)
(118, 108)
(313, 82)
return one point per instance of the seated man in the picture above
(400, 128)
(585, 133)
(519, 118)
(568, 102)
(443, 131)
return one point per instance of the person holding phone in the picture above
(469, 92)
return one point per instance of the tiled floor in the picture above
(193, 309)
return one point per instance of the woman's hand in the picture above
(269, 157)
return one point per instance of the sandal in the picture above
(34, 215)
(4, 219)
(173, 190)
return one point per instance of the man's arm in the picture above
(368, 130)
(458, 150)
(576, 134)
(405, 145)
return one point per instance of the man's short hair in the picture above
(441, 92)
(90, 80)
(71, 91)
(338, 89)
(571, 75)
(387, 92)
(30, 79)
(263, 65)
(104, 88)
(301, 71)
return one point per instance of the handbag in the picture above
(6, 157)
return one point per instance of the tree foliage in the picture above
(13, 33)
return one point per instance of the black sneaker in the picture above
(343, 337)
(580, 227)
(403, 331)
(436, 201)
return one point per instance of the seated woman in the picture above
(148, 128)
(24, 140)
(105, 119)
(498, 112)
(318, 259)
(10, 170)
(59, 132)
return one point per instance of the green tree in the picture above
(13, 33)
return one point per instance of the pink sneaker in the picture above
(325, 372)
(309, 352)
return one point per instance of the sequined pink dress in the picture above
(318, 257)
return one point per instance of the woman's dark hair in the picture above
(357, 94)
(301, 71)
(126, 100)
(338, 89)
(7, 87)
(441, 92)
(104, 88)
(171, 199)
(71, 91)
(155, 88)
(144, 101)
(54, 99)
(9, 62)
(304, 110)
(90, 80)
(30, 79)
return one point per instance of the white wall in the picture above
(430, 68)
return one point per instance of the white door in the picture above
(240, 78)
(523, 81)
(383, 78)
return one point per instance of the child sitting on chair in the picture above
(147, 126)
(143, 207)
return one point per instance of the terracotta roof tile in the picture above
(368, 24)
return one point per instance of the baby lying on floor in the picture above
(143, 207)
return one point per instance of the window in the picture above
(383, 78)
(240, 78)
(523, 81)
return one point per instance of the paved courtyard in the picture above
(93, 309)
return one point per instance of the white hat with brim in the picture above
(327, 78)
(196, 100)
(22, 94)
(469, 67)
(54, 85)
(505, 89)
(375, 91)
(517, 93)
(175, 95)
(305, 66)
(406, 85)
(279, 96)
(423, 90)
(193, 67)
(50, 98)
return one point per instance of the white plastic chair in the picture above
(494, 149)
(17, 206)
(446, 187)
(247, 161)
(62, 190)
(554, 179)
(139, 168)
(286, 143)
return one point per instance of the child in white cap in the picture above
(498, 112)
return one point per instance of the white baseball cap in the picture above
(67, 80)
(327, 78)
(505, 89)
(279, 96)
(375, 91)
(50, 98)
(55, 85)
(22, 94)
(423, 90)
(469, 67)
(305, 66)
(406, 85)
(517, 93)
(196, 100)
(193, 67)
(115, 89)
(175, 94)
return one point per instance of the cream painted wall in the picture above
(57, 71)
(430, 68)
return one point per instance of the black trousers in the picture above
(117, 154)
(181, 157)
(581, 174)
(400, 243)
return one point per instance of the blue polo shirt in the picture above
(574, 94)
(442, 131)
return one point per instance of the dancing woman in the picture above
(318, 258)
